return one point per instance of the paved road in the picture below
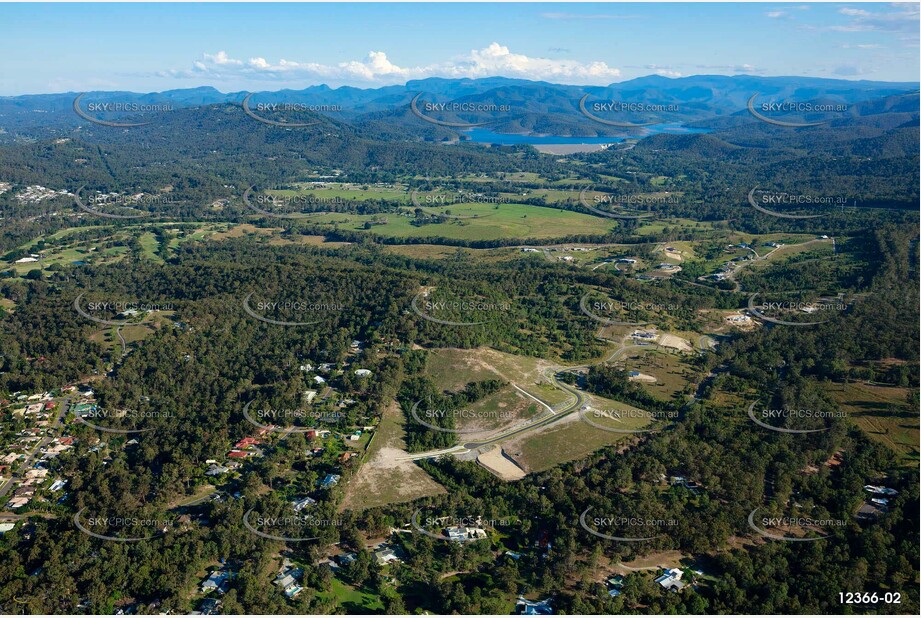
(576, 402)
(31, 456)
(8, 517)
(118, 331)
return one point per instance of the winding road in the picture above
(574, 404)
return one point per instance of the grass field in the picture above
(67, 255)
(497, 411)
(672, 371)
(883, 413)
(352, 601)
(569, 439)
(149, 247)
(452, 368)
(657, 226)
(490, 223)
(343, 191)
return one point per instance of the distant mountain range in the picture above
(502, 105)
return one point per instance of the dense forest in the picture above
(246, 320)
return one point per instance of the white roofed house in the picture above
(301, 504)
(288, 581)
(671, 580)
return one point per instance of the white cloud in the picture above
(731, 68)
(664, 71)
(776, 14)
(896, 18)
(221, 59)
(377, 68)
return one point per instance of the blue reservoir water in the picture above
(486, 136)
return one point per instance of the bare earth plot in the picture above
(384, 478)
(676, 343)
(500, 465)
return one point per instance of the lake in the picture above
(486, 136)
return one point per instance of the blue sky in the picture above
(146, 47)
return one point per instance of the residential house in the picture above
(671, 580)
(302, 503)
(385, 555)
(216, 581)
(216, 470)
(287, 581)
(329, 480)
(534, 608)
(463, 533)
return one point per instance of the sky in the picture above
(46, 48)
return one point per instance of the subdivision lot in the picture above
(383, 477)
(454, 368)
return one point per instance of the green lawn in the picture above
(490, 223)
(351, 600)
(149, 247)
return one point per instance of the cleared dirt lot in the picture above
(497, 463)
(675, 342)
(384, 478)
